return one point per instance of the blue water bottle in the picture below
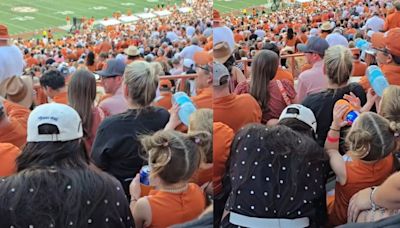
(186, 106)
(377, 79)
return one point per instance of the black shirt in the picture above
(116, 147)
(322, 104)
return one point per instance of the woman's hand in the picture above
(134, 187)
(174, 120)
(338, 112)
(359, 202)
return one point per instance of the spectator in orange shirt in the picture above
(387, 48)
(326, 29)
(231, 109)
(8, 155)
(101, 62)
(203, 81)
(164, 100)
(18, 90)
(53, 84)
(393, 20)
(105, 46)
(222, 140)
(90, 62)
(13, 123)
(359, 67)
(173, 158)
(202, 120)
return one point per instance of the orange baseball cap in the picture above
(202, 58)
(216, 16)
(4, 32)
(388, 40)
(165, 83)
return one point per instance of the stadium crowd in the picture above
(279, 123)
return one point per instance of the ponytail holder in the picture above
(197, 140)
(165, 144)
(396, 134)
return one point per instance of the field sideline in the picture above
(22, 16)
(225, 6)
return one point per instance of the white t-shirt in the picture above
(223, 34)
(11, 62)
(260, 33)
(188, 52)
(375, 23)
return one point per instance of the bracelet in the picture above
(332, 139)
(374, 207)
(333, 129)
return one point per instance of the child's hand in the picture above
(134, 187)
(371, 96)
(338, 112)
(174, 120)
(353, 100)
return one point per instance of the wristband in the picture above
(332, 139)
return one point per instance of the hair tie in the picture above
(197, 140)
(165, 144)
(396, 134)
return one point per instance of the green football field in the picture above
(225, 6)
(22, 16)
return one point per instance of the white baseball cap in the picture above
(65, 118)
(300, 112)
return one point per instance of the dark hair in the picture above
(90, 59)
(52, 79)
(256, 145)
(81, 96)
(272, 47)
(290, 34)
(263, 70)
(54, 185)
(298, 126)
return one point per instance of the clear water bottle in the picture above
(186, 106)
(377, 79)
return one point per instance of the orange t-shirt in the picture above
(165, 101)
(8, 155)
(392, 21)
(238, 37)
(360, 175)
(61, 98)
(391, 73)
(284, 74)
(359, 68)
(222, 138)
(203, 99)
(236, 110)
(174, 208)
(15, 132)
